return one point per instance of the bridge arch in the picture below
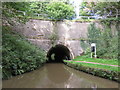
(58, 53)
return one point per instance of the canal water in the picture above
(57, 75)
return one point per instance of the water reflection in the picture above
(57, 73)
(57, 76)
(82, 80)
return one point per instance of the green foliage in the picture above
(106, 41)
(38, 8)
(59, 11)
(85, 8)
(22, 11)
(83, 11)
(109, 43)
(103, 8)
(12, 10)
(19, 56)
(93, 33)
(84, 45)
(109, 9)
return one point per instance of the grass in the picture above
(97, 60)
(104, 71)
(111, 68)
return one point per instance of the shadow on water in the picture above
(57, 75)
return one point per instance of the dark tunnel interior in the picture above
(58, 54)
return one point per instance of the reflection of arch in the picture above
(61, 52)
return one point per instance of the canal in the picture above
(57, 75)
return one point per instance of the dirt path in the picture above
(97, 63)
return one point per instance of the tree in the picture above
(107, 8)
(86, 8)
(106, 41)
(17, 10)
(110, 9)
(59, 11)
(93, 33)
(38, 8)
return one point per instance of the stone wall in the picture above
(46, 34)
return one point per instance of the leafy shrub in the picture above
(19, 56)
(59, 11)
(106, 41)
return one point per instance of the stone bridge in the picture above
(59, 37)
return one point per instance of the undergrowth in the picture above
(19, 55)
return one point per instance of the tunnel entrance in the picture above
(58, 54)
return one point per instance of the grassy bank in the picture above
(18, 55)
(97, 60)
(105, 71)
